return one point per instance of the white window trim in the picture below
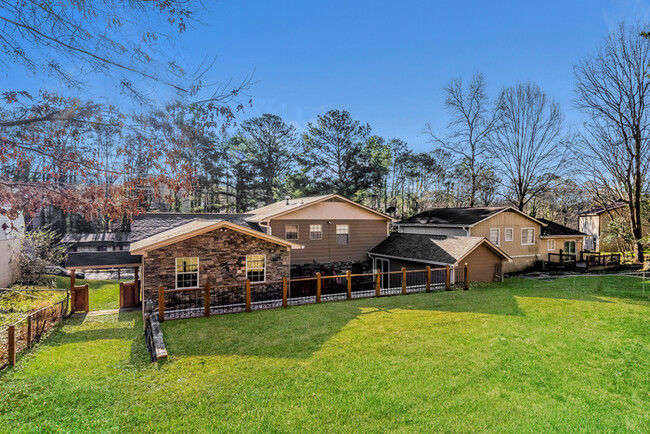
(262, 281)
(522, 237)
(498, 243)
(548, 245)
(321, 232)
(336, 230)
(505, 235)
(198, 269)
(297, 232)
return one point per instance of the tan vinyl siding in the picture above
(559, 245)
(510, 219)
(364, 235)
(482, 264)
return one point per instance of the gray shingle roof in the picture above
(99, 238)
(453, 216)
(555, 229)
(438, 249)
(147, 225)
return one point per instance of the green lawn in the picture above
(567, 355)
(102, 294)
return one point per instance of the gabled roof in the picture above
(553, 229)
(465, 216)
(198, 227)
(435, 249)
(147, 225)
(599, 210)
(282, 207)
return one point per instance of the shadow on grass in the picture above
(298, 332)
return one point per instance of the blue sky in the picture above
(386, 62)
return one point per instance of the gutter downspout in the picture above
(266, 227)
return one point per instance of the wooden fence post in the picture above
(73, 275)
(206, 302)
(447, 278)
(428, 278)
(466, 276)
(248, 295)
(348, 276)
(12, 345)
(378, 284)
(29, 331)
(284, 291)
(403, 280)
(318, 287)
(161, 303)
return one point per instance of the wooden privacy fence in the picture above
(23, 333)
(248, 296)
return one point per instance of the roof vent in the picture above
(287, 198)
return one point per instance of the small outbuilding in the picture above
(414, 251)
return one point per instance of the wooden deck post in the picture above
(447, 278)
(29, 331)
(318, 287)
(284, 291)
(12, 345)
(248, 295)
(403, 280)
(348, 276)
(161, 303)
(561, 257)
(378, 284)
(466, 276)
(428, 278)
(206, 302)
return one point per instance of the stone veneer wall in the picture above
(222, 260)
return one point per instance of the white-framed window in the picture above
(527, 236)
(187, 273)
(550, 244)
(315, 232)
(342, 234)
(509, 234)
(570, 247)
(495, 235)
(256, 268)
(291, 232)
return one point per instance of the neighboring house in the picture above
(336, 232)
(103, 242)
(521, 237)
(213, 251)
(10, 234)
(593, 222)
(415, 251)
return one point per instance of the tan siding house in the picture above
(523, 238)
(333, 230)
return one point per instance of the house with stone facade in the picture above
(215, 251)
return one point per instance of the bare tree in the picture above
(471, 125)
(528, 142)
(273, 151)
(612, 89)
